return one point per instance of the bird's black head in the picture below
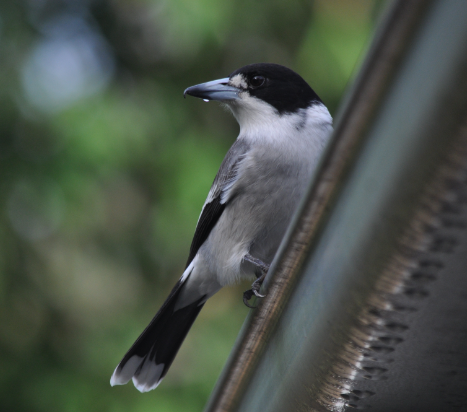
(277, 85)
(248, 88)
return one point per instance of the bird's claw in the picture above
(253, 291)
(256, 286)
(256, 291)
(247, 295)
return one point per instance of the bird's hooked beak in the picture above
(214, 90)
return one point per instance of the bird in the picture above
(284, 129)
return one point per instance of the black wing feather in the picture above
(211, 213)
(212, 210)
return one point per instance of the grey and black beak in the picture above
(215, 90)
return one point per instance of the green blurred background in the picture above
(104, 168)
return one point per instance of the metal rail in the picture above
(367, 300)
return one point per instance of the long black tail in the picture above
(150, 357)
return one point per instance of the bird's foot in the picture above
(263, 267)
(247, 295)
(256, 286)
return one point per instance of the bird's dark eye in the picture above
(257, 81)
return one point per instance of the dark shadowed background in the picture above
(104, 168)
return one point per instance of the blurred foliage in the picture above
(104, 169)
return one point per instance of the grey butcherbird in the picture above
(284, 127)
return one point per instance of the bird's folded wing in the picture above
(218, 195)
